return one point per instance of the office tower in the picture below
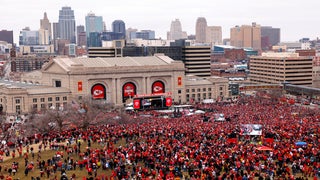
(44, 37)
(214, 35)
(118, 32)
(143, 34)
(81, 36)
(45, 27)
(55, 31)
(67, 24)
(276, 68)
(118, 26)
(246, 36)
(6, 36)
(197, 60)
(175, 32)
(94, 39)
(28, 37)
(201, 28)
(129, 31)
(94, 24)
(269, 37)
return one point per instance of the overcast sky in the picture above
(296, 18)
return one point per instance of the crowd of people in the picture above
(187, 147)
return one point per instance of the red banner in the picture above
(79, 86)
(168, 101)
(157, 87)
(98, 91)
(179, 81)
(136, 104)
(129, 90)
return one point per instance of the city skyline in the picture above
(295, 22)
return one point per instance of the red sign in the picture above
(168, 101)
(136, 104)
(179, 81)
(157, 87)
(98, 91)
(79, 86)
(129, 90)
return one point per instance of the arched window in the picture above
(158, 87)
(98, 91)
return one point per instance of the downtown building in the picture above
(278, 68)
(66, 25)
(246, 36)
(94, 27)
(201, 30)
(6, 36)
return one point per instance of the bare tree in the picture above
(90, 112)
(39, 123)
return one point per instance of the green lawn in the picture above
(48, 154)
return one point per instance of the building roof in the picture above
(33, 88)
(67, 63)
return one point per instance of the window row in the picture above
(198, 90)
(64, 98)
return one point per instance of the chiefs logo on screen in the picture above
(97, 92)
(157, 89)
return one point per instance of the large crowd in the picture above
(189, 147)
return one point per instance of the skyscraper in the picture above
(67, 24)
(246, 36)
(28, 37)
(175, 32)
(201, 28)
(81, 36)
(6, 36)
(119, 28)
(45, 30)
(93, 24)
(269, 37)
(214, 35)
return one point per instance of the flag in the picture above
(136, 104)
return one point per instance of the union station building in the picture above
(113, 80)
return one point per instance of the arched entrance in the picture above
(129, 90)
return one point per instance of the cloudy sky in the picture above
(296, 18)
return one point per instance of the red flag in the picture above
(136, 104)
(168, 101)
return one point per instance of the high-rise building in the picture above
(246, 36)
(44, 37)
(6, 36)
(175, 32)
(118, 26)
(269, 37)
(94, 24)
(197, 60)
(67, 24)
(143, 34)
(46, 31)
(214, 35)
(277, 68)
(28, 37)
(201, 29)
(81, 36)
(129, 31)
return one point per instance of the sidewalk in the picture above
(24, 149)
